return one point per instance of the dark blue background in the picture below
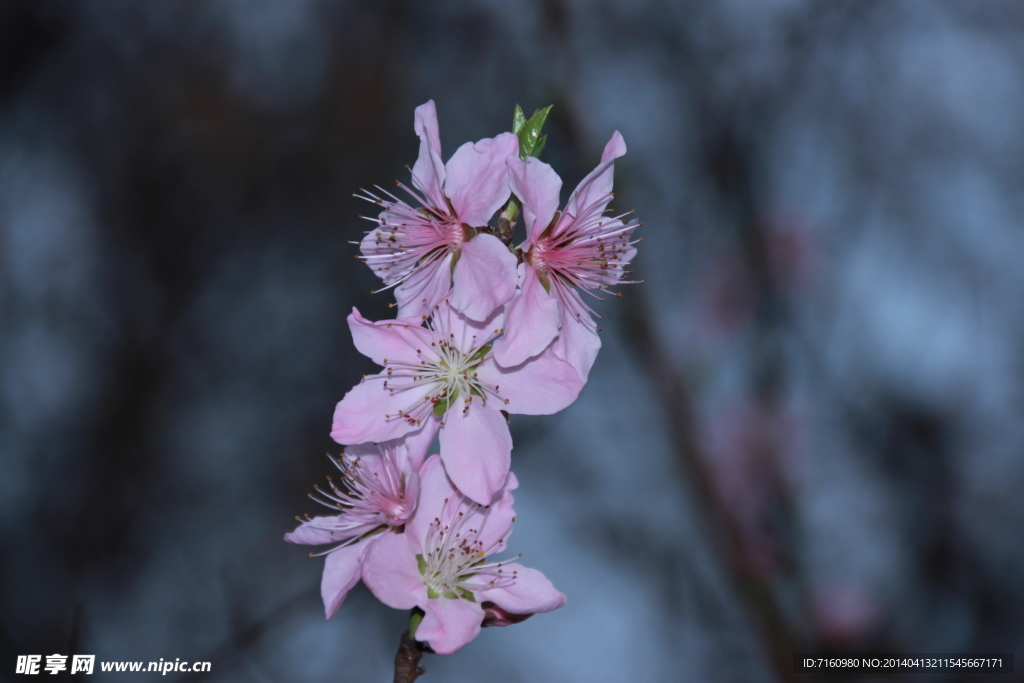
(803, 432)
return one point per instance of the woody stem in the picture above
(407, 659)
(506, 222)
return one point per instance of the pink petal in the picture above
(477, 449)
(427, 285)
(540, 386)
(441, 500)
(341, 573)
(497, 526)
(578, 344)
(626, 256)
(360, 416)
(428, 173)
(372, 456)
(449, 624)
(537, 186)
(615, 148)
(531, 321)
(391, 573)
(406, 453)
(369, 246)
(598, 183)
(434, 489)
(309, 533)
(465, 334)
(415, 445)
(412, 494)
(477, 178)
(485, 277)
(531, 592)
(388, 339)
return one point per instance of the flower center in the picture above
(367, 500)
(454, 564)
(444, 370)
(407, 238)
(587, 256)
(588, 253)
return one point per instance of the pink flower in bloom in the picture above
(443, 377)
(440, 564)
(425, 250)
(378, 492)
(578, 249)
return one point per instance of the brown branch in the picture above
(407, 660)
(503, 229)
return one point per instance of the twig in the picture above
(407, 659)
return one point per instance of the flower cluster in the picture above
(483, 331)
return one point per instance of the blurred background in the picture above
(803, 432)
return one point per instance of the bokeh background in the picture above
(803, 432)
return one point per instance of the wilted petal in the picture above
(485, 277)
(449, 624)
(477, 178)
(531, 321)
(477, 450)
(496, 616)
(428, 173)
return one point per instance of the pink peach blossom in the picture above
(441, 565)
(578, 249)
(435, 252)
(443, 377)
(378, 492)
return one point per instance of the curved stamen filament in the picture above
(446, 370)
(407, 241)
(455, 559)
(588, 253)
(366, 499)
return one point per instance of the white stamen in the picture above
(455, 559)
